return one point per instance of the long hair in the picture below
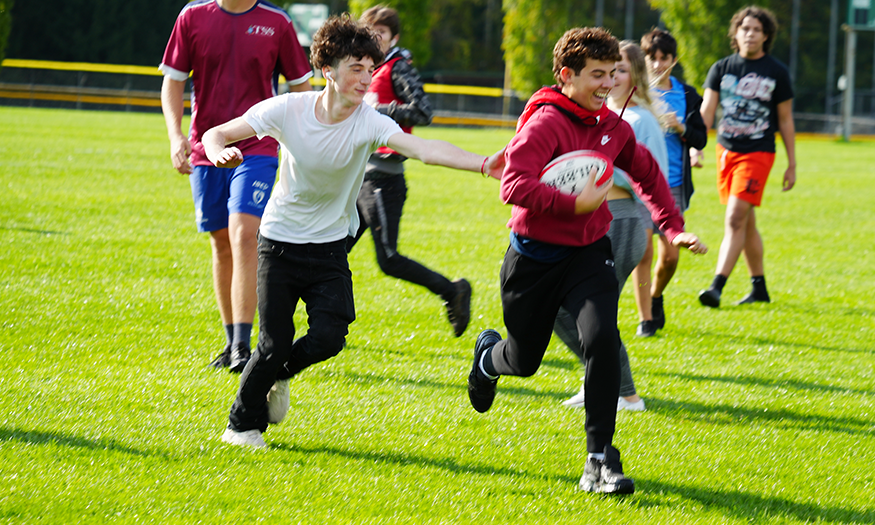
(766, 18)
(643, 95)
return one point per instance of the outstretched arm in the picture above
(441, 153)
(788, 135)
(216, 139)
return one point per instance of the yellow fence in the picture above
(84, 95)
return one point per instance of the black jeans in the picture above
(319, 275)
(380, 203)
(585, 284)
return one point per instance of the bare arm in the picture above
(441, 153)
(172, 105)
(709, 107)
(788, 134)
(216, 139)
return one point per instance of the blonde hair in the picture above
(643, 95)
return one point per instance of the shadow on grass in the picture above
(378, 380)
(30, 230)
(749, 507)
(401, 459)
(771, 383)
(33, 437)
(734, 337)
(724, 414)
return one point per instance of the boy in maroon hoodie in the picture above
(559, 254)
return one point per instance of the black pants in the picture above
(380, 203)
(319, 275)
(585, 284)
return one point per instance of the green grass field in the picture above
(759, 414)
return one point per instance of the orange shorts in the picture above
(743, 175)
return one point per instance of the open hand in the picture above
(592, 196)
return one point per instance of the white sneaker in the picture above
(575, 401)
(250, 438)
(278, 401)
(637, 406)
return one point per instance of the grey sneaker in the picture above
(278, 401)
(247, 438)
(606, 476)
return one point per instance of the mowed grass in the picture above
(757, 414)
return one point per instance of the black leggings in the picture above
(380, 203)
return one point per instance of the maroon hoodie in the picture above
(552, 125)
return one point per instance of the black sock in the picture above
(229, 333)
(719, 282)
(759, 285)
(242, 333)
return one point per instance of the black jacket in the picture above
(695, 136)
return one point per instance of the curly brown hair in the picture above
(579, 44)
(766, 18)
(341, 37)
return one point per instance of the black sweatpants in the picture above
(380, 203)
(585, 284)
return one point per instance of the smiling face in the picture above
(622, 80)
(351, 78)
(659, 66)
(750, 38)
(590, 87)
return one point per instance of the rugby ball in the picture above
(569, 173)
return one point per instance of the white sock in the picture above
(600, 456)
(483, 370)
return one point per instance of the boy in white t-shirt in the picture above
(326, 138)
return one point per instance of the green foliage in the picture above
(5, 25)
(760, 414)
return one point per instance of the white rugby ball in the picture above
(569, 173)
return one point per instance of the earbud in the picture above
(328, 75)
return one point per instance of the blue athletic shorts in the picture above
(219, 192)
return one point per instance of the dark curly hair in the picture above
(581, 43)
(341, 37)
(766, 18)
(659, 40)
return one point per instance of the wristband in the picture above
(483, 166)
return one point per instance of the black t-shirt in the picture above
(750, 91)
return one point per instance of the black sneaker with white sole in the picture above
(223, 360)
(240, 354)
(481, 389)
(605, 476)
(459, 307)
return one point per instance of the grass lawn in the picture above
(757, 414)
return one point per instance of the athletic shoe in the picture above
(222, 360)
(710, 297)
(646, 329)
(459, 307)
(606, 476)
(577, 400)
(631, 406)
(481, 389)
(754, 297)
(248, 438)
(658, 313)
(278, 401)
(240, 354)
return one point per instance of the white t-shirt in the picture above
(321, 166)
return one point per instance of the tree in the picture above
(5, 25)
